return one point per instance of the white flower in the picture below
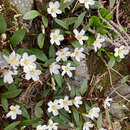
(32, 72)
(67, 69)
(93, 113)
(87, 125)
(53, 107)
(106, 102)
(87, 3)
(56, 37)
(65, 103)
(97, 43)
(121, 51)
(28, 61)
(102, 129)
(14, 111)
(62, 54)
(54, 9)
(13, 59)
(41, 127)
(52, 125)
(78, 54)
(80, 36)
(77, 101)
(8, 76)
(54, 68)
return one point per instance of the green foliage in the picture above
(52, 51)
(3, 24)
(17, 36)
(4, 103)
(38, 109)
(124, 79)
(12, 125)
(31, 15)
(45, 21)
(58, 79)
(84, 87)
(40, 40)
(99, 121)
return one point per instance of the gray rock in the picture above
(81, 73)
(23, 6)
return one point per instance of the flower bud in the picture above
(3, 36)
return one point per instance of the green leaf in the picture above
(49, 62)
(40, 40)
(11, 93)
(109, 16)
(76, 44)
(124, 79)
(58, 79)
(73, 92)
(17, 36)
(31, 15)
(84, 87)
(24, 111)
(62, 23)
(108, 116)
(119, 106)
(12, 125)
(111, 63)
(52, 52)
(30, 122)
(4, 103)
(45, 93)
(79, 20)
(96, 5)
(38, 110)
(76, 116)
(3, 24)
(70, 20)
(99, 121)
(39, 54)
(45, 21)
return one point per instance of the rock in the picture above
(80, 74)
(23, 6)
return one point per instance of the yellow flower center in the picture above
(67, 68)
(13, 110)
(32, 72)
(55, 37)
(77, 53)
(53, 107)
(79, 37)
(62, 53)
(91, 112)
(6, 72)
(13, 60)
(26, 62)
(96, 42)
(85, 1)
(119, 51)
(51, 125)
(53, 10)
(65, 103)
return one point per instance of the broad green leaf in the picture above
(11, 87)
(3, 24)
(11, 93)
(76, 116)
(99, 121)
(17, 36)
(87, 107)
(76, 44)
(45, 93)
(111, 63)
(52, 52)
(109, 16)
(39, 54)
(12, 125)
(79, 21)
(70, 20)
(30, 122)
(4, 103)
(40, 40)
(31, 15)
(62, 23)
(45, 21)
(24, 111)
(124, 79)
(38, 110)
(49, 62)
(73, 92)
(84, 87)
(58, 79)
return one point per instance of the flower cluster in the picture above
(64, 104)
(28, 64)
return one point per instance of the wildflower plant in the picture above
(65, 36)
